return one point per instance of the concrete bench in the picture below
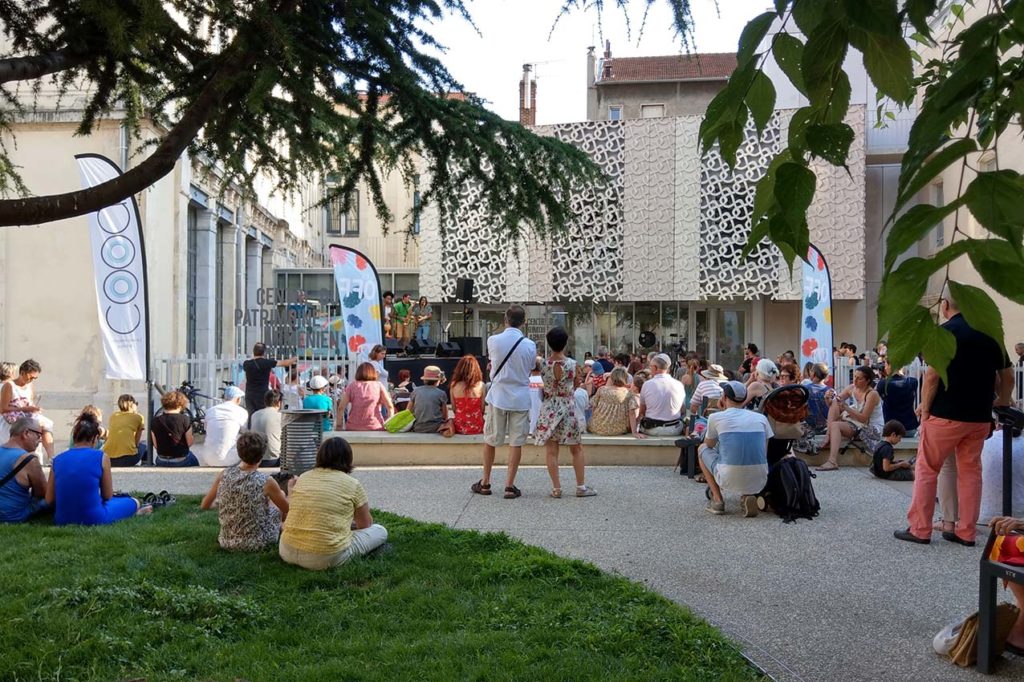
(377, 448)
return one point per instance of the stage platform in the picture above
(416, 363)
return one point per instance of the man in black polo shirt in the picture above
(957, 418)
(257, 376)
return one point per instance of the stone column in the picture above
(206, 281)
(226, 306)
(253, 282)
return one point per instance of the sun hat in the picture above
(334, 379)
(233, 392)
(734, 390)
(432, 373)
(597, 369)
(317, 383)
(715, 373)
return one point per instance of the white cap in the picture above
(317, 383)
(233, 393)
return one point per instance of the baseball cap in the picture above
(734, 390)
(232, 392)
(316, 383)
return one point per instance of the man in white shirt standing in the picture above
(512, 358)
(662, 401)
(223, 424)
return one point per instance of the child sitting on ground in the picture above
(242, 495)
(884, 465)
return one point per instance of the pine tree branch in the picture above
(39, 65)
(42, 209)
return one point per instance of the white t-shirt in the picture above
(992, 478)
(510, 390)
(742, 446)
(268, 422)
(663, 397)
(223, 424)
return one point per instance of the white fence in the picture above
(211, 374)
(843, 376)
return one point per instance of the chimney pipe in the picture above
(527, 98)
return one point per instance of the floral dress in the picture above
(469, 415)
(557, 419)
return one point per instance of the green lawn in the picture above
(154, 598)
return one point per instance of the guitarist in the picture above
(422, 313)
(401, 314)
(389, 311)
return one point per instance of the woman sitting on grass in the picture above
(124, 445)
(80, 485)
(242, 495)
(329, 518)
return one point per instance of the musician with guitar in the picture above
(388, 313)
(422, 314)
(400, 316)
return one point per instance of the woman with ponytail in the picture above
(80, 486)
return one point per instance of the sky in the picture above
(516, 32)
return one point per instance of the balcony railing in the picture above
(894, 131)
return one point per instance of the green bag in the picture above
(400, 423)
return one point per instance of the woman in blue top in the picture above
(80, 486)
(316, 399)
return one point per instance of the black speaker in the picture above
(471, 345)
(394, 346)
(448, 349)
(417, 347)
(464, 289)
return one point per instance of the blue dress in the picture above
(77, 475)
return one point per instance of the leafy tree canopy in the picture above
(969, 96)
(291, 88)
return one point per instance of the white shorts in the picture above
(499, 423)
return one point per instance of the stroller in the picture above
(786, 408)
(816, 423)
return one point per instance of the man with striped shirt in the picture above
(734, 455)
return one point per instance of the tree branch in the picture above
(39, 65)
(34, 210)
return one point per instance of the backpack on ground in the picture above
(789, 491)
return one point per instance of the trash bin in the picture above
(301, 433)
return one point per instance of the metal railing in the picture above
(211, 374)
(843, 376)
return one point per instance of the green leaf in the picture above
(794, 190)
(780, 6)
(838, 101)
(798, 123)
(788, 52)
(809, 13)
(758, 233)
(938, 348)
(830, 141)
(876, 16)
(889, 64)
(912, 226)
(995, 200)
(909, 335)
(764, 193)
(978, 309)
(752, 35)
(731, 138)
(912, 183)
(1000, 267)
(823, 59)
(919, 12)
(761, 100)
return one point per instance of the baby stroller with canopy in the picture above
(786, 409)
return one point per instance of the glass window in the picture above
(320, 287)
(578, 320)
(940, 228)
(730, 333)
(624, 333)
(406, 283)
(702, 330)
(648, 319)
(652, 110)
(416, 199)
(336, 222)
(604, 318)
(351, 219)
(615, 113)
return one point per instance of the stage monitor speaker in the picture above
(448, 349)
(417, 347)
(464, 289)
(394, 346)
(470, 345)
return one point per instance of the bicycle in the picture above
(194, 410)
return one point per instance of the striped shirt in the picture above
(708, 388)
(742, 445)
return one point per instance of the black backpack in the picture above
(789, 491)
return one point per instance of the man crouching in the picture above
(734, 455)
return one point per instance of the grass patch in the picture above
(155, 598)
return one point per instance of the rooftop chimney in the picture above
(606, 63)
(527, 98)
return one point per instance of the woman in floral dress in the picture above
(557, 423)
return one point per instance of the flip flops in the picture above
(160, 499)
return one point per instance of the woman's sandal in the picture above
(167, 498)
(481, 488)
(556, 492)
(512, 492)
(827, 466)
(699, 478)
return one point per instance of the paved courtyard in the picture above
(834, 598)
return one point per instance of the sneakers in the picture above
(585, 491)
(713, 507)
(748, 503)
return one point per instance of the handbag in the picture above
(959, 641)
(400, 422)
